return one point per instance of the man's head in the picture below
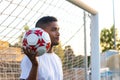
(49, 24)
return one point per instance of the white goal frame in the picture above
(94, 30)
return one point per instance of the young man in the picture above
(48, 66)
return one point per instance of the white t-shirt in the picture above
(50, 67)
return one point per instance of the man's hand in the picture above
(31, 55)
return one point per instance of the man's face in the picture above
(53, 30)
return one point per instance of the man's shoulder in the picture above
(56, 55)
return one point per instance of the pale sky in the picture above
(105, 9)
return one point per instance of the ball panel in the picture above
(46, 37)
(40, 42)
(28, 32)
(48, 46)
(32, 39)
(25, 42)
(38, 32)
(32, 48)
(41, 50)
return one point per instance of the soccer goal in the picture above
(94, 37)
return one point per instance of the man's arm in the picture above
(33, 73)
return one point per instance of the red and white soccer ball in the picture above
(37, 40)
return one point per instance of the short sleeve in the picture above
(25, 67)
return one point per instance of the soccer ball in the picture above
(37, 40)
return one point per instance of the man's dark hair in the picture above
(45, 20)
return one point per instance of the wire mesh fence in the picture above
(15, 15)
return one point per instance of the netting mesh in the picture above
(15, 14)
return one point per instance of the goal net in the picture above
(75, 35)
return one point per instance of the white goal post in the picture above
(94, 31)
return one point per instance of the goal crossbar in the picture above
(84, 6)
